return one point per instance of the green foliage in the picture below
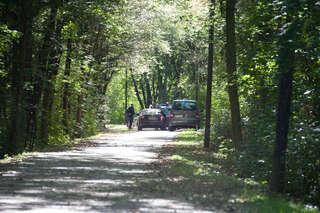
(116, 99)
(164, 43)
(7, 37)
(261, 23)
(207, 179)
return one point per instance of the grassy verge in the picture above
(207, 179)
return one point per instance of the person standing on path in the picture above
(130, 115)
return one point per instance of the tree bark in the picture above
(159, 94)
(136, 90)
(50, 63)
(126, 89)
(286, 67)
(143, 92)
(21, 67)
(79, 115)
(209, 77)
(232, 77)
(196, 79)
(66, 92)
(148, 89)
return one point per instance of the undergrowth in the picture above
(210, 179)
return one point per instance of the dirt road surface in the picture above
(103, 178)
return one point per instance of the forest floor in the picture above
(123, 172)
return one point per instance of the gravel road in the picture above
(103, 178)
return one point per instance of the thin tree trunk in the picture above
(283, 114)
(143, 91)
(165, 83)
(209, 77)
(136, 90)
(154, 88)
(196, 79)
(159, 95)
(148, 89)
(126, 90)
(286, 67)
(79, 115)
(66, 92)
(232, 78)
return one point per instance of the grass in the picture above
(209, 180)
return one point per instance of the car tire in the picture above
(171, 128)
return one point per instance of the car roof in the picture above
(150, 110)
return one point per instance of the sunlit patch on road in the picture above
(101, 178)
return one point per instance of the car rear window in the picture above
(185, 105)
(151, 112)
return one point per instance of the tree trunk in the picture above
(50, 63)
(148, 89)
(159, 94)
(286, 67)
(143, 92)
(21, 67)
(79, 115)
(137, 91)
(66, 92)
(126, 90)
(196, 80)
(232, 77)
(209, 77)
(165, 83)
(154, 87)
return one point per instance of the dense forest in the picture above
(69, 67)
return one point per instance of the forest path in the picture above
(103, 178)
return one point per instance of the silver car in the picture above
(184, 114)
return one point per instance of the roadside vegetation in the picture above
(68, 68)
(212, 179)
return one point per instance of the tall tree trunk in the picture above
(154, 87)
(21, 67)
(196, 79)
(232, 77)
(143, 91)
(79, 115)
(209, 77)
(159, 95)
(286, 67)
(66, 92)
(50, 63)
(136, 90)
(165, 83)
(34, 109)
(126, 89)
(148, 89)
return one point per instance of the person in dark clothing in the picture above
(130, 115)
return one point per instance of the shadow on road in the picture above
(105, 178)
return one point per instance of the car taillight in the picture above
(142, 117)
(171, 115)
(162, 117)
(197, 116)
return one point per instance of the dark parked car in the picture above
(151, 118)
(184, 114)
